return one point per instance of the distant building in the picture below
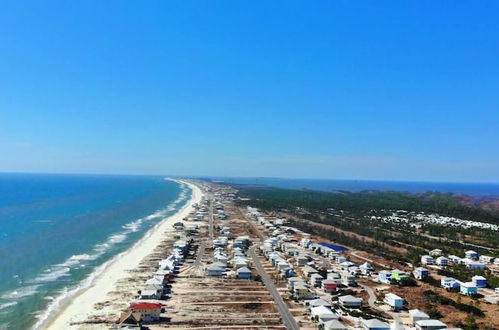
(243, 272)
(479, 281)
(436, 253)
(449, 283)
(394, 301)
(399, 275)
(427, 260)
(417, 315)
(470, 254)
(329, 285)
(430, 325)
(374, 324)
(350, 301)
(468, 289)
(486, 259)
(385, 276)
(150, 312)
(420, 273)
(442, 261)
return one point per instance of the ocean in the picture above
(57, 231)
(471, 189)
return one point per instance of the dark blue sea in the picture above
(471, 189)
(56, 230)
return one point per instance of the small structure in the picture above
(348, 279)
(325, 313)
(430, 325)
(417, 315)
(468, 289)
(427, 260)
(129, 318)
(375, 324)
(318, 302)
(366, 268)
(486, 259)
(394, 301)
(399, 275)
(243, 272)
(149, 294)
(479, 281)
(385, 276)
(449, 283)
(316, 280)
(329, 285)
(214, 270)
(475, 265)
(442, 261)
(420, 273)
(334, 325)
(436, 253)
(350, 301)
(150, 312)
(470, 254)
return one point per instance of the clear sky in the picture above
(398, 90)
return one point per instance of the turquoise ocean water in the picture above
(56, 232)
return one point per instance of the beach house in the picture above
(399, 275)
(449, 283)
(479, 281)
(442, 261)
(322, 312)
(366, 268)
(385, 276)
(150, 312)
(348, 279)
(316, 280)
(486, 259)
(394, 301)
(243, 272)
(427, 260)
(470, 254)
(214, 270)
(420, 273)
(430, 325)
(468, 289)
(334, 325)
(417, 315)
(350, 301)
(329, 285)
(474, 264)
(436, 253)
(374, 324)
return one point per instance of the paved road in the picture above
(286, 316)
(210, 219)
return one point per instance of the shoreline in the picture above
(80, 305)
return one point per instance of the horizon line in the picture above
(251, 177)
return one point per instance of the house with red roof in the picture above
(150, 312)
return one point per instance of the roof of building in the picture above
(145, 306)
(418, 313)
(319, 302)
(334, 325)
(244, 270)
(375, 323)
(392, 296)
(214, 267)
(430, 323)
(349, 298)
(321, 310)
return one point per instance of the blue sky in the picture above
(398, 90)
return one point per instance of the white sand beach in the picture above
(82, 306)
